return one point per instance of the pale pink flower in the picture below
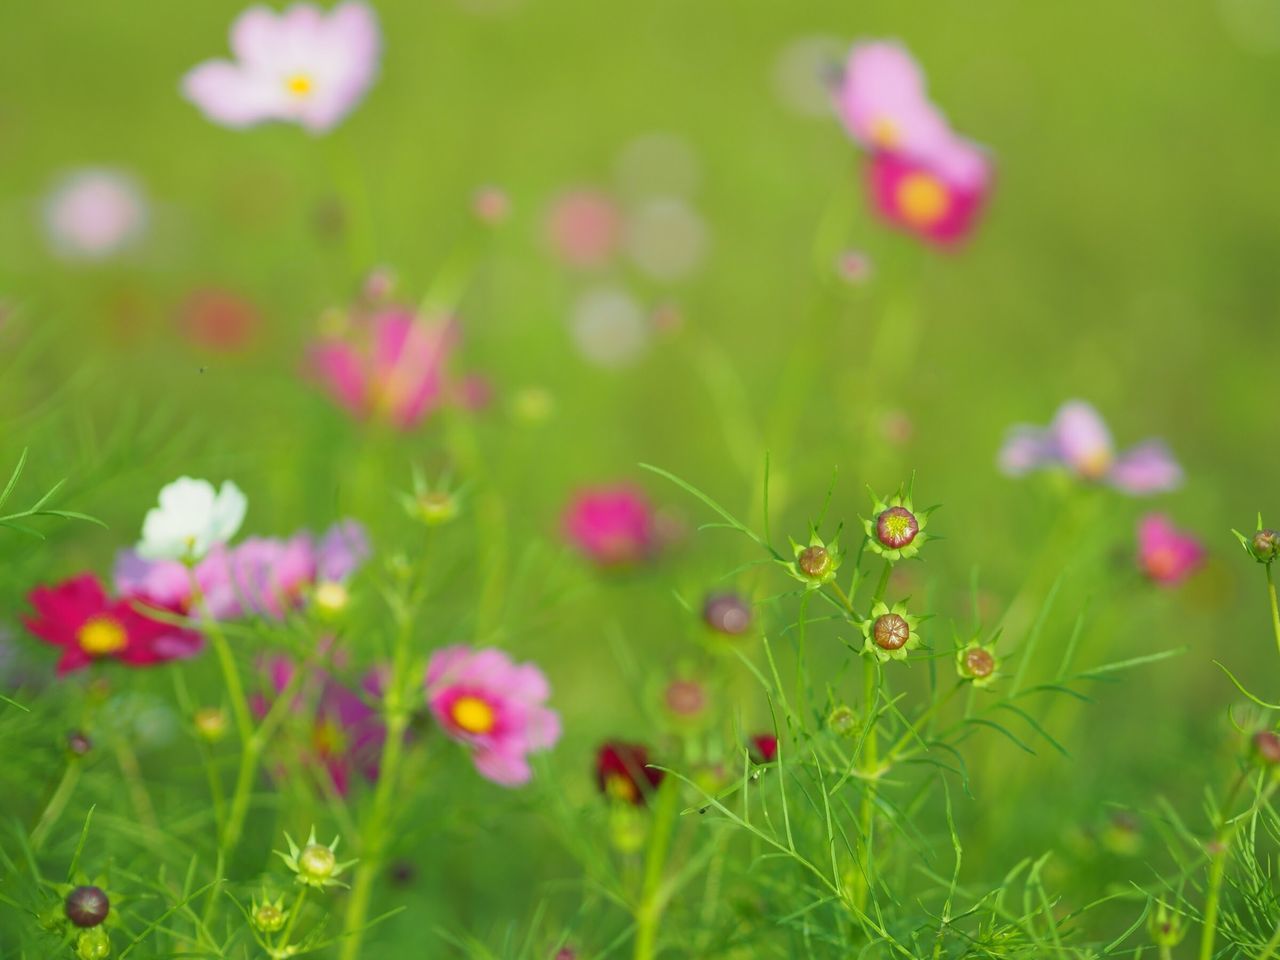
(495, 707)
(1165, 554)
(302, 65)
(94, 213)
(882, 102)
(390, 367)
(584, 227)
(1079, 440)
(612, 525)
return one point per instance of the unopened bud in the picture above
(843, 721)
(814, 562)
(1265, 545)
(1266, 747)
(87, 906)
(891, 631)
(316, 862)
(727, 613)
(93, 944)
(896, 528)
(1165, 927)
(269, 917)
(210, 723)
(78, 743)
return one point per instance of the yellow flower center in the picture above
(328, 738)
(331, 597)
(884, 133)
(1095, 463)
(299, 84)
(621, 788)
(100, 636)
(473, 715)
(1162, 562)
(923, 199)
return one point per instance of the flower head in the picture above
(623, 772)
(1165, 554)
(614, 526)
(269, 916)
(977, 663)
(94, 213)
(1263, 544)
(495, 707)
(1078, 440)
(882, 102)
(895, 529)
(584, 227)
(87, 906)
(78, 616)
(302, 65)
(816, 562)
(390, 366)
(890, 632)
(191, 519)
(939, 198)
(314, 864)
(763, 748)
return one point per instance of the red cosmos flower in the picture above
(622, 772)
(763, 748)
(939, 199)
(78, 616)
(614, 526)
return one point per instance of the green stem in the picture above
(652, 897)
(1218, 864)
(1275, 608)
(57, 803)
(1269, 950)
(250, 746)
(282, 946)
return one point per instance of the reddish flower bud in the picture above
(896, 527)
(79, 743)
(978, 662)
(763, 748)
(87, 906)
(1266, 545)
(814, 561)
(1266, 747)
(891, 631)
(727, 613)
(623, 773)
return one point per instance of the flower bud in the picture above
(1165, 927)
(87, 906)
(269, 917)
(896, 528)
(1266, 747)
(1265, 545)
(628, 828)
(890, 631)
(843, 720)
(93, 944)
(210, 723)
(78, 743)
(330, 598)
(565, 953)
(436, 507)
(685, 700)
(763, 748)
(727, 613)
(317, 863)
(977, 662)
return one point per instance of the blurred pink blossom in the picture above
(1079, 440)
(881, 100)
(612, 525)
(495, 707)
(940, 199)
(94, 213)
(584, 227)
(302, 65)
(1165, 554)
(389, 367)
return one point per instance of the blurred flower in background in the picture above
(802, 74)
(1078, 440)
(584, 227)
(1166, 555)
(302, 65)
(217, 319)
(938, 200)
(609, 326)
(94, 213)
(623, 772)
(191, 519)
(666, 238)
(613, 526)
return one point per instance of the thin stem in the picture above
(282, 947)
(57, 803)
(1275, 608)
(652, 900)
(1223, 833)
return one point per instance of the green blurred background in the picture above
(1127, 258)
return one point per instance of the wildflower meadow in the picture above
(566, 480)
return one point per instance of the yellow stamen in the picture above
(473, 715)
(299, 84)
(922, 199)
(620, 788)
(100, 636)
(884, 133)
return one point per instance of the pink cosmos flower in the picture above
(259, 576)
(938, 199)
(612, 525)
(882, 102)
(584, 227)
(301, 65)
(495, 707)
(1165, 554)
(94, 213)
(1079, 440)
(390, 367)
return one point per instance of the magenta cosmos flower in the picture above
(390, 366)
(495, 707)
(939, 199)
(79, 617)
(301, 65)
(1079, 441)
(1166, 554)
(611, 525)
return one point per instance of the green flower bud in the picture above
(895, 529)
(1265, 545)
(816, 562)
(269, 917)
(210, 723)
(314, 864)
(93, 944)
(890, 632)
(843, 721)
(1165, 927)
(978, 663)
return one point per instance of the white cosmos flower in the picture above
(192, 519)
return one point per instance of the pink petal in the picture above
(1146, 468)
(232, 96)
(1082, 438)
